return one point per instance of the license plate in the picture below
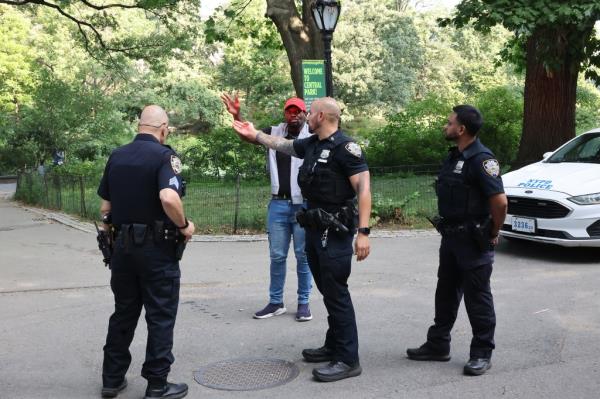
(525, 225)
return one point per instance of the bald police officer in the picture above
(333, 174)
(141, 192)
(472, 206)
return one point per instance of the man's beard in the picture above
(449, 137)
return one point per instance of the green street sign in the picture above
(313, 72)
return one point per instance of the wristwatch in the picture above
(185, 226)
(364, 230)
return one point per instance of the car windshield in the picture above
(585, 148)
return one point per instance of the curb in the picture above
(74, 223)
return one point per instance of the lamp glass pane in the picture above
(316, 11)
(330, 16)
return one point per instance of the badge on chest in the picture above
(324, 156)
(459, 166)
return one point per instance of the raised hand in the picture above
(232, 104)
(245, 130)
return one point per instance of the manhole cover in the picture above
(246, 374)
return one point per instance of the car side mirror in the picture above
(546, 155)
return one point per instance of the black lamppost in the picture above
(326, 14)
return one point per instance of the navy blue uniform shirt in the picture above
(466, 181)
(350, 160)
(133, 177)
(332, 161)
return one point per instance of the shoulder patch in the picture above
(176, 164)
(491, 167)
(354, 149)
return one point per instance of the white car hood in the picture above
(569, 178)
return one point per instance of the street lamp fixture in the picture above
(326, 14)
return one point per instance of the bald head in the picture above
(324, 117)
(153, 115)
(329, 107)
(155, 121)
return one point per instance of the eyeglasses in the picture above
(293, 111)
(154, 126)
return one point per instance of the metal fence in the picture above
(402, 197)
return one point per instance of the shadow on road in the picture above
(549, 253)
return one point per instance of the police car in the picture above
(557, 200)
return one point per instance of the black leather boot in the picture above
(167, 391)
(477, 366)
(322, 354)
(336, 371)
(424, 352)
(112, 392)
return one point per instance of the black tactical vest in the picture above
(321, 180)
(460, 200)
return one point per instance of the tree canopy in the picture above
(396, 71)
(554, 40)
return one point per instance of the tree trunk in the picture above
(301, 38)
(550, 98)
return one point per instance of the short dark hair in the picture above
(470, 117)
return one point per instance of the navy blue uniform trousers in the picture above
(464, 270)
(142, 275)
(330, 267)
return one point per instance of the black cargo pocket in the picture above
(339, 246)
(169, 286)
(171, 274)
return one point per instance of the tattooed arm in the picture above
(277, 143)
(247, 131)
(361, 182)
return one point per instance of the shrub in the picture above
(413, 136)
(502, 110)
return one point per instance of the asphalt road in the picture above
(55, 302)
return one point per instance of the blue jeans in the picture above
(281, 227)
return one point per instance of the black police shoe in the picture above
(336, 371)
(322, 354)
(112, 392)
(424, 352)
(477, 366)
(167, 391)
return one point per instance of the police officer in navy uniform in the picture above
(333, 174)
(141, 192)
(472, 207)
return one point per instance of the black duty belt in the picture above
(156, 230)
(281, 197)
(454, 228)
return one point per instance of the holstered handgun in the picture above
(180, 247)
(319, 219)
(480, 231)
(104, 244)
(170, 233)
(331, 221)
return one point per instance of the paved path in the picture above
(55, 302)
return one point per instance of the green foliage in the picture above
(253, 61)
(502, 110)
(112, 33)
(460, 62)
(560, 27)
(222, 154)
(376, 56)
(588, 107)
(393, 210)
(413, 136)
